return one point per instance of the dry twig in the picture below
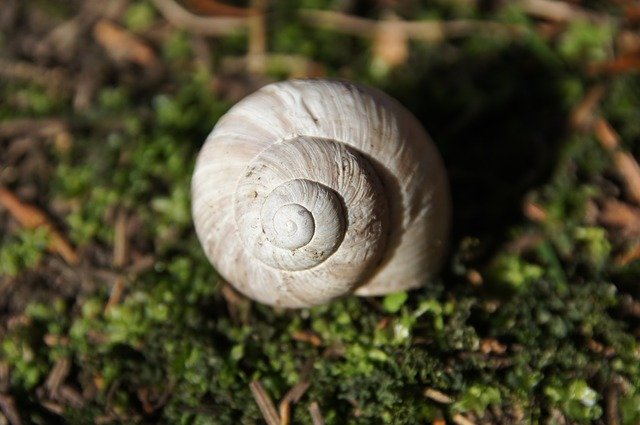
(438, 396)
(55, 80)
(316, 415)
(430, 31)
(612, 411)
(560, 11)
(256, 55)
(213, 26)
(583, 114)
(8, 407)
(42, 127)
(619, 215)
(291, 397)
(461, 420)
(264, 403)
(120, 243)
(57, 375)
(625, 163)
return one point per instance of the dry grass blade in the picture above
(560, 11)
(292, 396)
(56, 377)
(308, 337)
(265, 403)
(461, 420)
(5, 376)
(436, 31)
(43, 127)
(582, 115)
(53, 79)
(31, 217)
(438, 396)
(239, 307)
(628, 257)
(339, 22)
(316, 415)
(256, 55)
(120, 245)
(214, 26)
(619, 215)
(71, 396)
(625, 163)
(117, 291)
(8, 407)
(612, 411)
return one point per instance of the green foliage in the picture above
(22, 252)
(585, 41)
(577, 400)
(139, 16)
(478, 398)
(393, 302)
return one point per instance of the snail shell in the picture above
(310, 189)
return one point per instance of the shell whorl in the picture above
(307, 190)
(293, 217)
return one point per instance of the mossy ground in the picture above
(535, 318)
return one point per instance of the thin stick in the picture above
(339, 22)
(625, 163)
(120, 243)
(44, 127)
(560, 11)
(256, 56)
(264, 403)
(316, 415)
(292, 396)
(461, 420)
(52, 78)
(8, 407)
(213, 26)
(417, 30)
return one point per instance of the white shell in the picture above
(310, 189)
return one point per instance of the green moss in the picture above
(23, 251)
(550, 299)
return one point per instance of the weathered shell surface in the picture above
(309, 189)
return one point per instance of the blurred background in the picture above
(110, 313)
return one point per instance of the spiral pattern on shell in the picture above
(308, 190)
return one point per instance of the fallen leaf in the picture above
(492, 345)
(308, 337)
(123, 46)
